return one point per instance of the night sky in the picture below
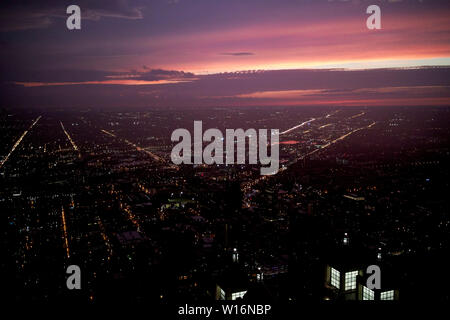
(224, 52)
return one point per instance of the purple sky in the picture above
(224, 52)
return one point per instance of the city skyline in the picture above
(225, 157)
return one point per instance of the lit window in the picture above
(368, 294)
(350, 280)
(237, 295)
(387, 295)
(335, 278)
(222, 295)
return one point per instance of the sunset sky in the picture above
(224, 52)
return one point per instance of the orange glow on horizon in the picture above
(104, 82)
